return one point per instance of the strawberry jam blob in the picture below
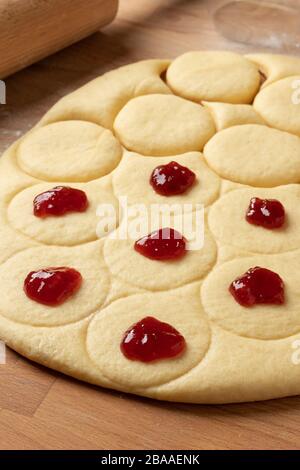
(163, 244)
(258, 286)
(59, 201)
(268, 213)
(172, 179)
(52, 286)
(151, 340)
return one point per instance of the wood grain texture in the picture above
(31, 30)
(40, 409)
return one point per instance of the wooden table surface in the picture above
(40, 409)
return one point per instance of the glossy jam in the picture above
(163, 244)
(258, 286)
(268, 213)
(52, 286)
(150, 340)
(59, 201)
(172, 179)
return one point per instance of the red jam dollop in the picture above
(258, 286)
(268, 213)
(163, 244)
(52, 286)
(150, 340)
(172, 179)
(58, 201)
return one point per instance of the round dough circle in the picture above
(107, 328)
(262, 322)
(130, 266)
(228, 223)
(204, 191)
(214, 76)
(279, 104)
(255, 155)
(69, 151)
(161, 125)
(88, 260)
(70, 229)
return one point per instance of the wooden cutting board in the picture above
(40, 409)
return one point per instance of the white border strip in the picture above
(2, 92)
(2, 353)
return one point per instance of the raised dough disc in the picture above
(69, 151)
(87, 259)
(261, 321)
(125, 263)
(227, 221)
(279, 104)
(204, 191)
(163, 125)
(71, 229)
(255, 155)
(181, 308)
(214, 76)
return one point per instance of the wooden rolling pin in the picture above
(33, 29)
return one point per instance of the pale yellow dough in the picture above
(69, 151)
(163, 125)
(227, 218)
(275, 66)
(125, 263)
(108, 326)
(255, 155)
(228, 115)
(263, 321)
(88, 260)
(72, 228)
(279, 104)
(106, 138)
(204, 191)
(214, 76)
